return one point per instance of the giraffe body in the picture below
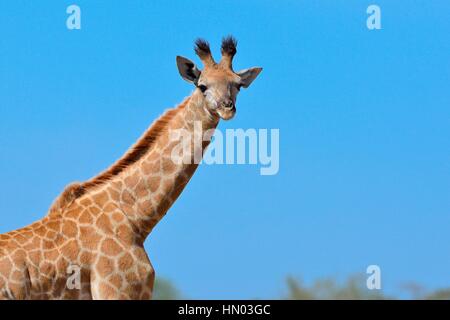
(36, 263)
(102, 231)
(94, 232)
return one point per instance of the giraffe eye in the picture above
(202, 88)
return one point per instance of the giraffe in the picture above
(93, 234)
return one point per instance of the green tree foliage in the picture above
(354, 288)
(330, 289)
(165, 290)
(441, 294)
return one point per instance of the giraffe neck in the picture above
(148, 186)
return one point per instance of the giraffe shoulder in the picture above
(70, 193)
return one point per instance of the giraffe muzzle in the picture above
(228, 105)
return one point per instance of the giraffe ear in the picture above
(248, 75)
(188, 70)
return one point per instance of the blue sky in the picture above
(363, 118)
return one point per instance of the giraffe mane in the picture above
(145, 142)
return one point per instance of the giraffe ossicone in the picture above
(97, 228)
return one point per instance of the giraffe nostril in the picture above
(228, 104)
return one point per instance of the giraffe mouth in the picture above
(226, 113)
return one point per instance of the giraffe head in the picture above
(217, 83)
